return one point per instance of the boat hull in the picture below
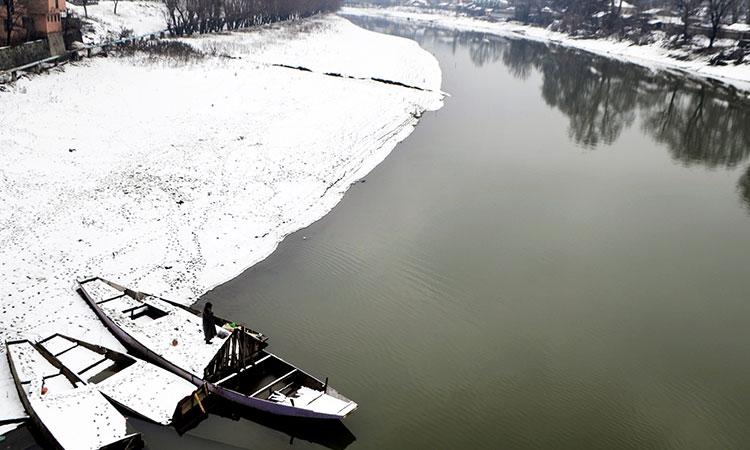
(131, 442)
(230, 395)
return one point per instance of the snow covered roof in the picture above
(738, 27)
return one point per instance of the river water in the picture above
(559, 257)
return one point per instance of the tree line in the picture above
(186, 17)
(607, 16)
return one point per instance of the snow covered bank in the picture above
(175, 177)
(290, 43)
(651, 56)
(138, 16)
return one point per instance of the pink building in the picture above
(32, 19)
(45, 15)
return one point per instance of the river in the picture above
(559, 257)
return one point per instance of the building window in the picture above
(57, 4)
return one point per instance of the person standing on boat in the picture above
(209, 325)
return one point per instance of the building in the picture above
(31, 19)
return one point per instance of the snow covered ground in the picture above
(652, 56)
(139, 17)
(172, 177)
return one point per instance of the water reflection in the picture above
(699, 122)
(744, 187)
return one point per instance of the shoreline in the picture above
(651, 56)
(174, 177)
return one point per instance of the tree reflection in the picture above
(744, 187)
(598, 102)
(700, 127)
(700, 123)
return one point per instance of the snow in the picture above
(57, 344)
(289, 44)
(102, 291)
(173, 177)
(11, 407)
(7, 428)
(78, 418)
(96, 369)
(79, 358)
(652, 56)
(147, 389)
(313, 400)
(191, 352)
(140, 17)
(29, 363)
(737, 27)
(142, 387)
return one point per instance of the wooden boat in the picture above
(67, 413)
(234, 366)
(136, 386)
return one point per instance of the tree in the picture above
(206, 16)
(9, 10)
(116, 2)
(717, 11)
(14, 22)
(687, 9)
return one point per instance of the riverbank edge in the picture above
(651, 56)
(55, 282)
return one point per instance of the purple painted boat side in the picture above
(228, 394)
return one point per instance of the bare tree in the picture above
(17, 29)
(687, 9)
(9, 11)
(717, 11)
(207, 16)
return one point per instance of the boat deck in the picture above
(156, 324)
(141, 387)
(261, 380)
(77, 417)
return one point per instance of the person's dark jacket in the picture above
(209, 325)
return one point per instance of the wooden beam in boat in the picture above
(273, 382)
(67, 349)
(94, 365)
(244, 369)
(110, 299)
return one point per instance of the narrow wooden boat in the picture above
(233, 366)
(68, 414)
(136, 386)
